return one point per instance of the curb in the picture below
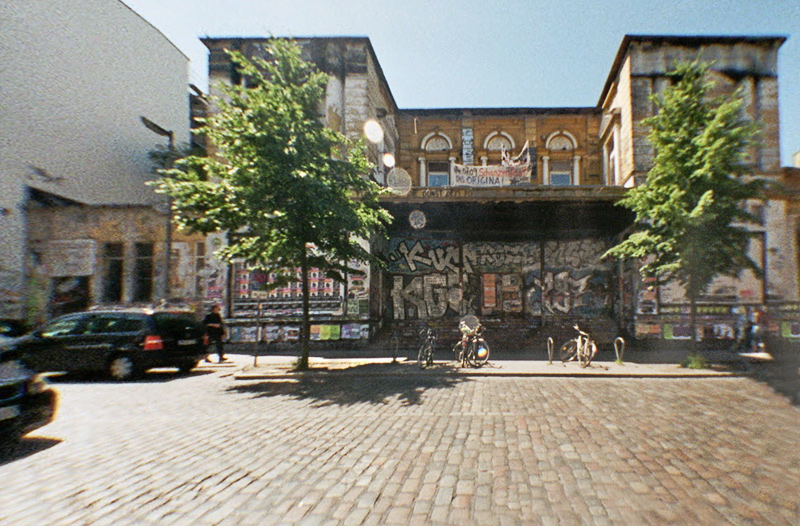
(365, 368)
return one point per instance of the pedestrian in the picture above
(757, 330)
(215, 330)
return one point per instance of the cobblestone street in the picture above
(209, 449)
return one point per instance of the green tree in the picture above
(290, 192)
(690, 218)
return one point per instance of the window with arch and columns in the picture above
(436, 160)
(495, 143)
(560, 164)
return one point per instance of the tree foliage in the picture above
(690, 219)
(289, 191)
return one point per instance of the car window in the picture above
(113, 323)
(172, 323)
(63, 327)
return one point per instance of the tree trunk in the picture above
(302, 361)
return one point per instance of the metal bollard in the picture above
(394, 343)
(550, 345)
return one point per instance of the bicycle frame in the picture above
(425, 355)
(585, 348)
(470, 339)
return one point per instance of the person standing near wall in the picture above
(215, 330)
(757, 330)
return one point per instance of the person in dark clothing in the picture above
(215, 329)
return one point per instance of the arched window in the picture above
(561, 141)
(437, 142)
(435, 168)
(561, 165)
(499, 141)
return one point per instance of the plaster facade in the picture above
(77, 78)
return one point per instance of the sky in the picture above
(482, 54)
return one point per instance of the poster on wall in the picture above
(255, 296)
(510, 288)
(355, 331)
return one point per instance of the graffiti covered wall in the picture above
(433, 278)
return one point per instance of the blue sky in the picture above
(474, 53)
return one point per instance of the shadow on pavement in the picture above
(159, 375)
(362, 384)
(25, 448)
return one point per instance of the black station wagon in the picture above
(123, 343)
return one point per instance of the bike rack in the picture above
(619, 347)
(550, 345)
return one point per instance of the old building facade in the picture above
(73, 138)
(505, 212)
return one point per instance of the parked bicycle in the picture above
(425, 355)
(472, 350)
(582, 347)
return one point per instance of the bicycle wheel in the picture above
(568, 351)
(587, 353)
(469, 358)
(429, 354)
(458, 352)
(422, 356)
(481, 354)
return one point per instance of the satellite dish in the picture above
(399, 181)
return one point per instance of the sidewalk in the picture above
(245, 367)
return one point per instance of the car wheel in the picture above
(121, 368)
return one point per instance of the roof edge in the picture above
(679, 39)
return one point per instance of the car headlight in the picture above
(37, 384)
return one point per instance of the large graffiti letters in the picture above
(416, 256)
(434, 278)
(562, 292)
(425, 297)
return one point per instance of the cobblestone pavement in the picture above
(418, 449)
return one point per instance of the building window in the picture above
(143, 272)
(437, 142)
(438, 173)
(560, 173)
(499, 142)
(560, 143)
(113, 262)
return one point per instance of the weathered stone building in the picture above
(505, 212)
(74, 157)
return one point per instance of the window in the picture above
(113, 323)
(63, 327)
(561, 143)
(438, 173)
(498, 142)
(437, 143)
(143, 272)
(113, 262)
(560, 173)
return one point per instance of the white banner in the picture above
(490, 175)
